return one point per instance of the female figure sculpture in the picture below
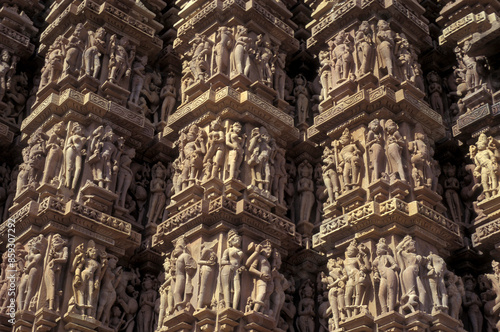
(241, 58)
(374, 143)
(138, 75)
(74, 51)
(336, 280)
(231, 269)
(214, 158)
(305, 310)
(32, 273)
(235, 142)
(305, 188)
(385, 47)
(301, 98)
(125, 176)
(395, 145)
(169, 95)
(357, 267)
(92, 55)
(260, 152)
(386, 273)
(54, 59)
(73, 155)
(222, 49)
(166, 293)
(412, 286)
(207, 262)
(364, 46)
(54, 159)
(58, 256)
(158, 197)
(107, 296)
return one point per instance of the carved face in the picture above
(92, 253)
(373, 125)
(267, 251)
(365, 26)
(235, 241)
(5, 56)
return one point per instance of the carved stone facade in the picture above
(249, 165)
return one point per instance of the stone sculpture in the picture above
(489, 299)
(208, 268)
(235, 142)
(73, 155)
(364, 47)
(185, 268)
(451, 187)
(88, 266)
(36, 157)
(435, 92)
(263, 57)
(231, 269)
(54, 62)
(192, 148)
(260, 152)
(305, 188)
(169, 95)
(130, 307)
(349, 162)
(486, 164)
(74, 51)
(107, 296)
(104, 150)
(138, 76)
(394, 150)
(280, 176)
(240, 55)
(7, 70)
(120, 60)
(200, 68)
(456, 293)
(93, 55)
(259, 267)
(223, 46)
(166, 293)
(474, 68)
(157, 188)
(301, 99)
(375, 145)
(278, 63)
(437, 269)
(403, 57)
(32, 272)
(54, 159)
(125, 176)
(335, 281)
(386, 269)
(413, 291)
(214, 158)
(325, 73)
(280, 283)
(329, 168)
(288, 310)
(305, 311)
(146, 303)
(341, 56)
(58, 256)
(357, 268)
(385, 47)
(472, 304)
(421, 159)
